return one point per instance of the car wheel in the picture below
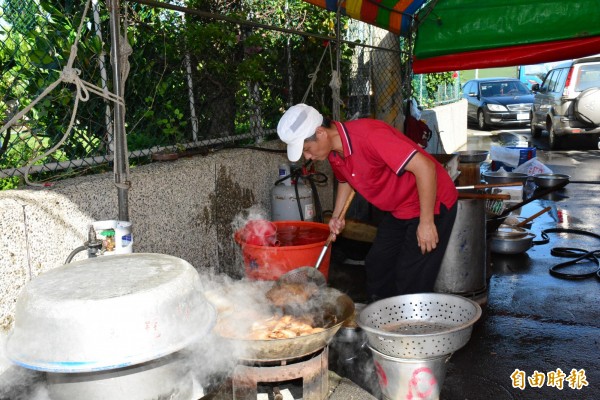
(552, 138)
(536, 131)
(481, 124)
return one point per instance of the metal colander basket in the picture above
(419, 326)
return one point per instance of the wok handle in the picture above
(342, 215)
(489, 185)
(331, 234)
(486, 196)
(534, 216)
(532, 198)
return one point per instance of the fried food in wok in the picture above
(291, 293)
(274, 327)
(285, 327)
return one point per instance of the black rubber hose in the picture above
(74, 253)
(298, 202)
(577, 255)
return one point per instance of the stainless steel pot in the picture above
(463, 266)
(504, 177)
(510, 232)
(108, 312)
(166, 378)
(505, 245)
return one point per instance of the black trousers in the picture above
(395, 265)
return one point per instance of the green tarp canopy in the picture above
(467, 34)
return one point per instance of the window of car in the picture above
(560, 81)
(515, 88)
(550, 81)
(490, 89)
(588, 77)
(468, 88)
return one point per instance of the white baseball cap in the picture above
(298, 123)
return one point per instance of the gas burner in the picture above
(303, 378)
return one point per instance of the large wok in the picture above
(331, 306)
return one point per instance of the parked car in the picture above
(497, 101)
(568, 101)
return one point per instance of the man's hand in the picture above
(427, 237)
(336, 225)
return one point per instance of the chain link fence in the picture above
(442, 94)
(195, 79)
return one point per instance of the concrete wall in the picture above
(185, 208)
(449, 126)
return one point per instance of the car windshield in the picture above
(502, 88)
(589, 77)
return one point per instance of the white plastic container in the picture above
(116, 236)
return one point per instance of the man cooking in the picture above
(395, 175)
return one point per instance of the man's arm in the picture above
(425, 174)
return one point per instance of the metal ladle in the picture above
(312, 274)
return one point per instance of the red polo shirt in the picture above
(375, 155)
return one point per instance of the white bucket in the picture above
(116, 236)
(403, 378)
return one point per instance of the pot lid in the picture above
(510, 232)
(108, 312)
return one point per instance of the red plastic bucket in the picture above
(299, 245)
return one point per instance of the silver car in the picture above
(568, 101)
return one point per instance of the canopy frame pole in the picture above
(120, 138)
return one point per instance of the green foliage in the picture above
(36, 43)
(243, 75)
(434, 81)
(428, 88)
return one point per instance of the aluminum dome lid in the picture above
(108, 312)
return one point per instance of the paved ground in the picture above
(534, 325)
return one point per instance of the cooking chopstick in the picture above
(489, 185)
(534, 216)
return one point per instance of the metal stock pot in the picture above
(108, 312)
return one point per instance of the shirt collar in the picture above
(346, 142)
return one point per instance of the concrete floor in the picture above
(533, 323)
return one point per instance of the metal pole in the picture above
(103, 69)
(338, 52)
(120, 138)
(288, 59)
(190, 84)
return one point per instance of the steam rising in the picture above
(212, 358)
(18, 383)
